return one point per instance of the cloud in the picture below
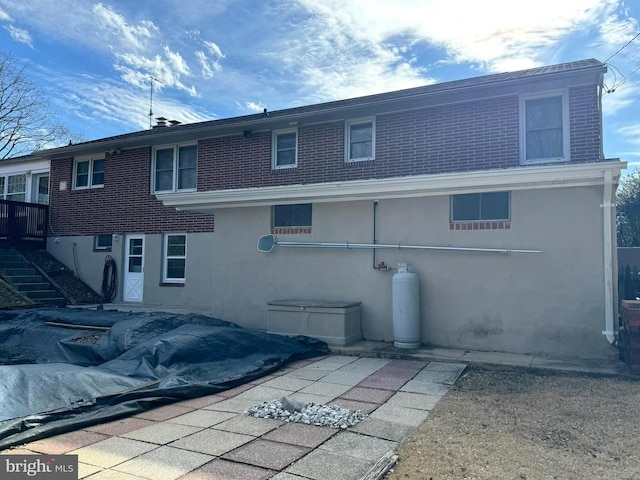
(4, 16)
(168, 69)
(210, 66)
(101, 102)
(253, 106)
(20, 35)
(132, 36)
(631, 133)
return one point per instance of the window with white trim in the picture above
(88, 173)
(174, 258)
(174, 168)
(284, 149)
(15, 188)
(360, 140)
(544, 126)
(102, 242)
(494, 206)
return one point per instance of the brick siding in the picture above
(123, 205)
(475, 135)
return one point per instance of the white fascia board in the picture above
(520, 178)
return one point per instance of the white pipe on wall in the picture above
(607, 206)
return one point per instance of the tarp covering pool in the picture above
(63, 369)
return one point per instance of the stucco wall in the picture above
(552, 302)
(196, 293)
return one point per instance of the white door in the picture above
(134, 269)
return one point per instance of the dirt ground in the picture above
(499, 423)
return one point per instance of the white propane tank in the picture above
(406, 308)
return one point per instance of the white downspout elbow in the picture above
(607, 206)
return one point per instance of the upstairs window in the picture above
(545, 129)
(88, 173)
(175, 168)
(480, 206)
(359, 140)
(285, 149)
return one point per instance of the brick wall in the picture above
(124, 204)
(477, 135)
(584, 125)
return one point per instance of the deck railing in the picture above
(23, 224)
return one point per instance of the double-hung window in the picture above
(360, 140)
(285, 149)
(16, 188)
(175, 258)
(175, 168)
(88, 173)
(469, 207)
(544, 128)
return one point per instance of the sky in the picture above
(105, 65)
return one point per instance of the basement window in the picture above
(102, 242)
(480, 206)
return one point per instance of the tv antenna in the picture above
(151, 80)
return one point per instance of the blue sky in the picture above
(224, 58)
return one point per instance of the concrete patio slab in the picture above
(267, 454)
(387, 430)
(161, 433)
(212, 442)
(65, 443)
(219, 469)
(324, 465)
(309, 436)
(326, 389)
(358, 446)
(246, 425)
(163, 463)
(406, 416)
(202, 418)
(112, 451)
(419, 401)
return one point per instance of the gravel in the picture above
(289, 410)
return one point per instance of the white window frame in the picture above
(565, 128)
(274, 148)
(166, 257)
(347, 139)
(90, 183)
(176, 170)
(98, 247)
(10, 196)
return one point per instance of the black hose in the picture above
(108, 290)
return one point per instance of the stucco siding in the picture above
(551, 302)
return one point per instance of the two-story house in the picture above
(503, 162)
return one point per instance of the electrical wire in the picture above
(622, 48)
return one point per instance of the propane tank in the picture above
(406, 308)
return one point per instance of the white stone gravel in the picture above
(308, 413)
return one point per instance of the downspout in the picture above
(375, 207)
(607, 206)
